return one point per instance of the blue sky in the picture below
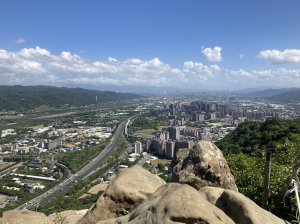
(210, 44)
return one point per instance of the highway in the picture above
(81, 174)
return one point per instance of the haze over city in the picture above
(199, 45)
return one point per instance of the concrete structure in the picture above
(174, 133)
(52, 144)
(183, 145)
(138, 147)
(148, 145)
(34, 177)
(170, 149)
(159, 146)
(213, 116)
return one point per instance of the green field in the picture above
(146, 133)
(5, 165)
(164, 162)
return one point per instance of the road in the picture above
(81, 174)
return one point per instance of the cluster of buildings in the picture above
(48, 139)
(29, 187)
(20, 180)
(203, 120)
(6, 200)
(167, 142)
(213, 133)
(9, 112)
(200, 111)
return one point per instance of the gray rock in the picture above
(24, 217)
(124, 194)
(67, 217)
(174, 203)
(238, 207)
(204, 165)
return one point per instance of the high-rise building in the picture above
(183, 145)
(199, 116)
(159, 146)
(182, 121)
(148, 145)
(213, 116)
(212, 106)
(170, 149)
(174, 133)
(138, 147)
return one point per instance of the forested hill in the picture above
(245, 151)
(286, 97)
(252, 137)
(24, 98)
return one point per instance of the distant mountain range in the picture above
(284, 95)
(24, 98)
(292, 96)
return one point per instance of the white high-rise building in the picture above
(138, 147)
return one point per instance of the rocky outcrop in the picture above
(177, 203)
(68, 217)
(174, 203)
(124, 194)
(204, 165)
(24, 217)
(143, 198)
(238, 207)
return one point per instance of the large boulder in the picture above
(174, 203)
(238, 207)
(203, 165)
(68, 217)
(24, 217)
(124, 194)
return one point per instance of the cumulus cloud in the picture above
(278, 57)
(19, 40)
(213, 54)
(36, 66)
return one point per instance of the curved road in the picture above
(81, 174)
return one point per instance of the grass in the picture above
(164, 162)
(77, 159)
(147, 133)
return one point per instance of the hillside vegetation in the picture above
(286, 97)
(24, 98)
(245, 149)
(283, 95)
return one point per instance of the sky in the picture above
(191, 45)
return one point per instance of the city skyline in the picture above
(203, 45)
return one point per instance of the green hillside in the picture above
(24, 98)
(287, 97)
(245, 149)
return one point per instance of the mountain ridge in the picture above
(24, 98)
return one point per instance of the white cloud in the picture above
(213, 54)
(33, 66)
(276, 56)
(20, 41)
(241, 56)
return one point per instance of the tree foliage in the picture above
(245, 149)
